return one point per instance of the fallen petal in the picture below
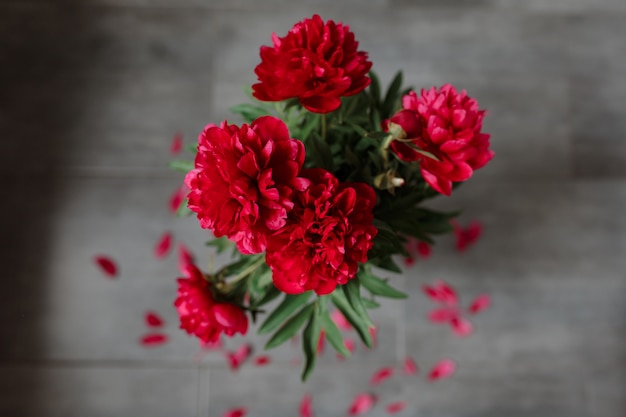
(442, 315)
(442, 369)
(153, 339)
(340, 320)
(177, 144)
(424, 249)
(410, 367)
(162, 247)
(361, 404)
(153, 319)
(350, 345)
(466, 237)
(236, 412)
(381, 376)
(409, 261)
(237, 358)
(185, 258)
(306, 406)
(262, 360)
(481, 303)
(177, 198)
(446, 292)
(396, 407)
(107, 265)
(461, 326)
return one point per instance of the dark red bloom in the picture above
(201, 315)
(328, 232)
(446, 125)
(243, 180)
(316, 62)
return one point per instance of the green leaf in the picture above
(290, 328)
(270, 295)
(353, 294)
(333, 335)
(378, 286)
(388, 264)
(249, 112)
(375, 87)
(289, 305)
(183, 210)
(340, 301)
(310, 339)
(309, 126)
(192, 148)
(181, 166)
(220, 243)
(239, 266)
(322, 152)
(392, 94)
(378, 135)
(370, 304)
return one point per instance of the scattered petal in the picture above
(236, 412)
(153, 319)
(185, 258)
(162, 247)
(350, 345)
(361, 404)
(396, 407)
(153, 339)
(481, 303)
(235, 359)
(177, 198)
(461, 326)
(177, 144)
(381, 376)
(410, 367)
(466, 237)
(441, 292)
(442, 369)
(409, 261)
(442, 315)
(262, 360)
(306, 406)
(424, 249)
(340, 320)
(107, 265)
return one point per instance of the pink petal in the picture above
(396, 407)
(481, 303)
(381, 376)
(409, 261)
(177, 144)
(306, 406)
(350, 345)
(424, 249)
(466, 237)
(177, 198)
(107, 265)
(410, 367)
(441, 292)
(262, 360)
(461, 326)
(185, 258)
(235, 359)
(361, 404)
(442, 315)
(442, 369)
(236, 412)
(153, 339)
(162, 247)
(340, 320)
(153, 319)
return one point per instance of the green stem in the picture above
(243, 274)
(324, 127)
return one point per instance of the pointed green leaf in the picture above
(290, 328)
(333, 335)
(270, 295)
(340, 301)
(249, 112)
(392, 94)
(220, 243)
(310, 339)
(375, 87)
(289, 305)
(378, 286)
(370, 304)
(352, 291)
(181, 166)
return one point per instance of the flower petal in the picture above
(410, 367)
(442, 369)
(107, 265)
(424, 249)
(153, 339)
(162, 247)
(480, 303)
(177, 198)
(461, 326)
(153, 319)
(381, 376)
(361, 404)
(235, 359)
(396, 407)
(177, 144)
(468, 236)
(340, 320)
(306, 406)
(262, 360)
(442, 315)
(236, 412)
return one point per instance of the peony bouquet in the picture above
(319, 190)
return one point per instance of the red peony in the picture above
(243, 180)
(200, 315)
(328, 232)
(448, 125)
(316, 62)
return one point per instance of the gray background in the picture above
(91, 93)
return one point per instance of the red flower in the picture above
(329, 231)
(243, 180)
(316, 62)
(446, 124)
(201, 315)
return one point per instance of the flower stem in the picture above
(324, 127)
(243, 274)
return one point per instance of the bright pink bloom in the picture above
(467, 236)
(361, 404)
(243, 180)
(163, 246)
(316, 62)
(446, 124)
(238, 357)
(201, 315)
(106, 265)
(381, 376)
(306, 406)
(153, 320)
(340, 320)
(328, 232)
(236, 412)
(262, 360)
(153, 339)
(442, 369)
(410, 367)
(396, 407)
(177, 144)
(481, 303)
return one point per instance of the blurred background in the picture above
(92, 93)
